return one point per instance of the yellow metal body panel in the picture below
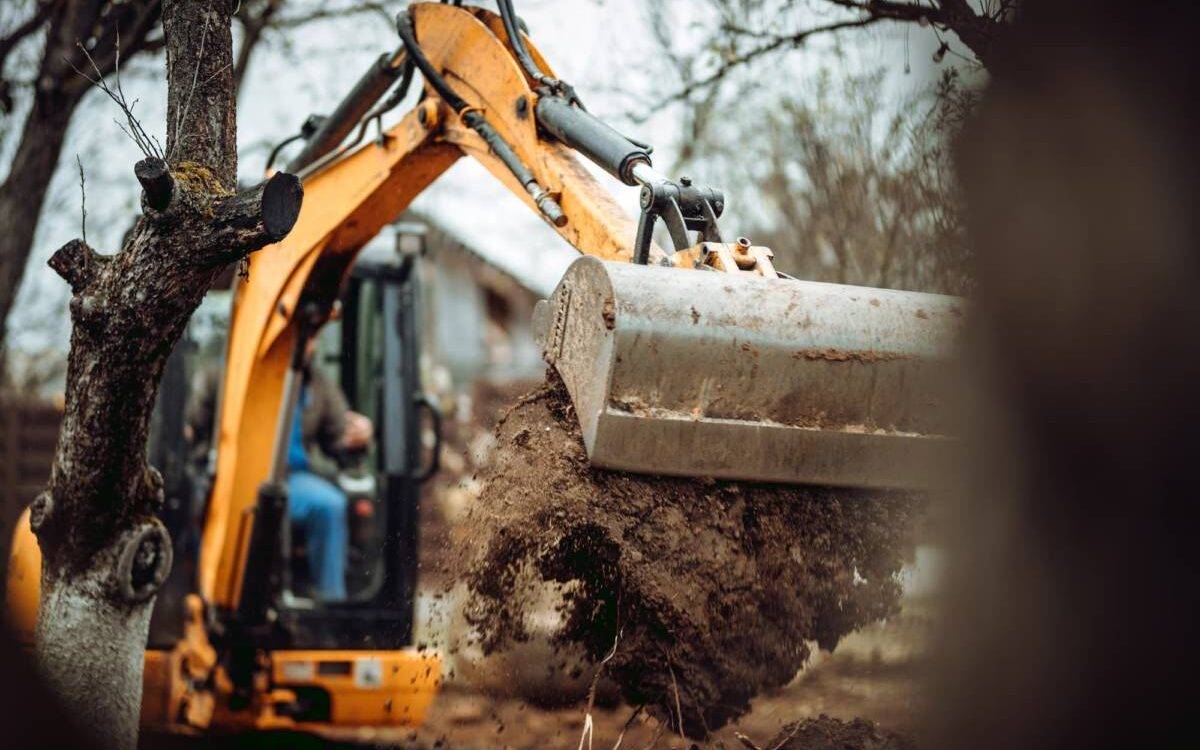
(24, 585)
(343, 208)
(366, 688)
(176, 690)
(161, 689)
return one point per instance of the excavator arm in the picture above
(727, 371)
(350, 195)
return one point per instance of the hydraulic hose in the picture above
(512, 27)
(475, 120)
(509, 16)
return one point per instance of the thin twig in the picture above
(678, 707)
(795, 728)
(82, 200)
(729, 64)
(132, 127)
(216, 73)
(588, 723)
(588, 731)
(747, 743)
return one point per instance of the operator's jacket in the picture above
(322, 423)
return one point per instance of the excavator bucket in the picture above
(697, 373)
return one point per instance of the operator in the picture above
(316, 505)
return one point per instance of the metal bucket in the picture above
(698, 373)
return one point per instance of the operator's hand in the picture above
(358, 431)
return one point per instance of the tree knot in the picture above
(153, 488)
(40, 511)
(78, 264)
(144, 560)
(87, 311)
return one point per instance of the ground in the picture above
(873, 674)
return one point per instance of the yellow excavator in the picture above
(702, 360)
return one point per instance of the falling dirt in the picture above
(696, 595)
(825, 733)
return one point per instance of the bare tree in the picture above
(104, 551)
(855, 195)
(69, 30)
(744, 31)
(843, 184)
(55, 37)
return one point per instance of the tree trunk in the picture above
(90, 648)
(104, 551)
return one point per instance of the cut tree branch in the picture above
(77, 263)
(253, 218)
(157, 184)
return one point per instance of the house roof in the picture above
(534, 260)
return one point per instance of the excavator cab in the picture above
(283, 660)
(330, 663)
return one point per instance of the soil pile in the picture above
(825, 733)
(695, 594)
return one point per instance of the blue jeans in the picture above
(318, 507)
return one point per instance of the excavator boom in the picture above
(701, 361)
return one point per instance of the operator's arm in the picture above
(332, 410)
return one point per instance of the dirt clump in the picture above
(825, 733)
(695, 594)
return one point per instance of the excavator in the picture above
(702, 360)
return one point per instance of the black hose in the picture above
(512, 28)
(475, 120)
(279, 147)
(408, 35)
(509, 16)
(350, 111)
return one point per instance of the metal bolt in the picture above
(646, 197)
(743, 242)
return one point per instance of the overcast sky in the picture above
(603, 47)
